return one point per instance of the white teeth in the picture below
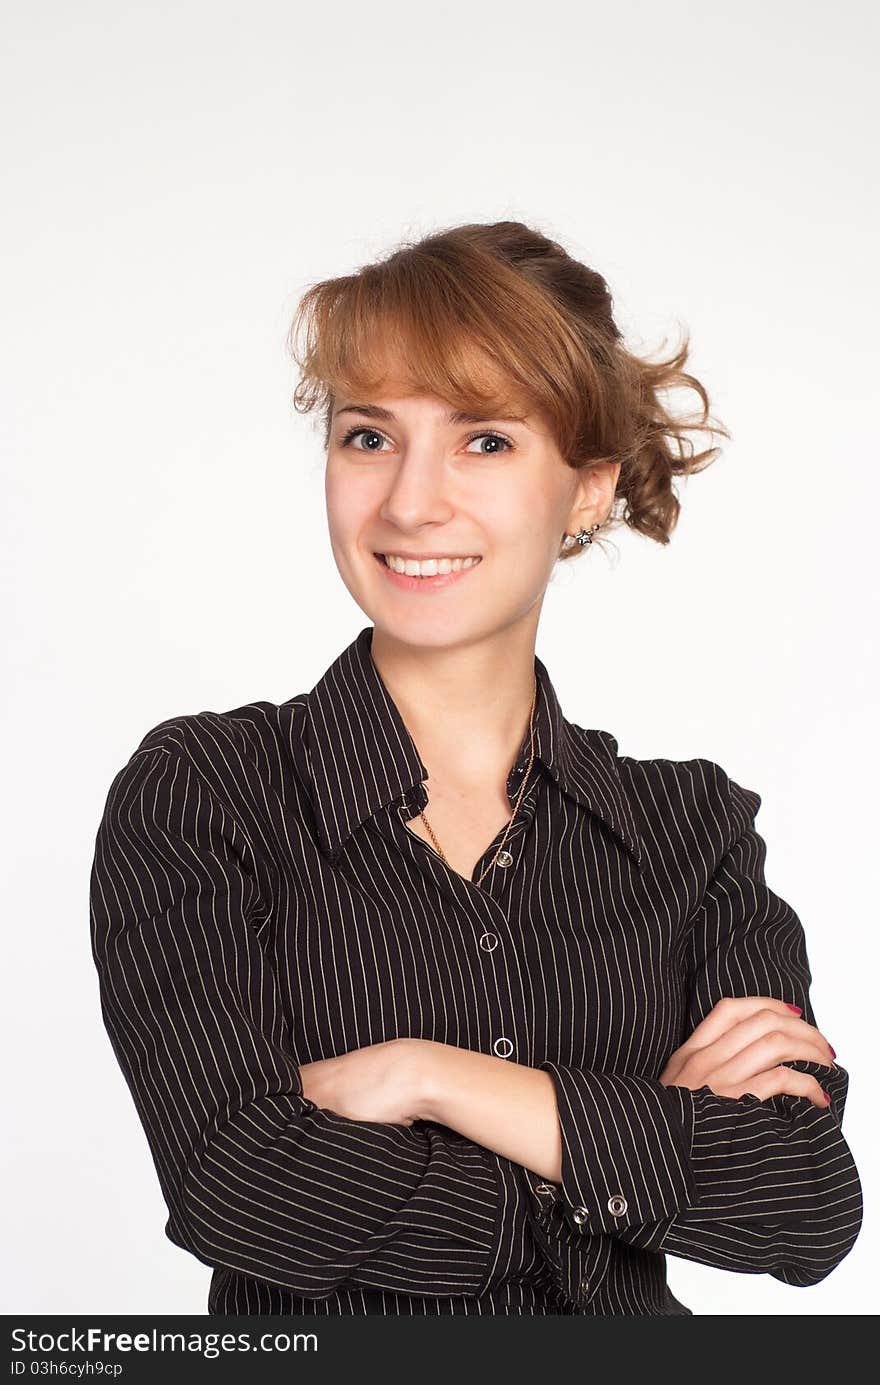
(429, 567)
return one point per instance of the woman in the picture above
(431, 1001)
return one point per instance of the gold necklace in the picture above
(516, 806)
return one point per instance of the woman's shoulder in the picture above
(258, 740)
(696, 792)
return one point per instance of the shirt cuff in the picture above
(626, 1151)
(514, 1254)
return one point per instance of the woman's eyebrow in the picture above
(453, 416)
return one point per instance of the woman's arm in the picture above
(513, 1109)
(256, 1176)
(756, 1186)
(505, 1106)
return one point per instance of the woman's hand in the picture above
(736, 1049)
(382, 1082)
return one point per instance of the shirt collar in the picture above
(362, 757)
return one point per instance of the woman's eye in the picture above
(361, 432)
(495, 438)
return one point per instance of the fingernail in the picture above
(797, 1009)
(826, 1096)
(833, 1054)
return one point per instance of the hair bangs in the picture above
(413, 324)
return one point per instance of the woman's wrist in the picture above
(425, 1068)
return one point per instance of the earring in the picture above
(584, 536)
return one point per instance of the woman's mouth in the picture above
(433, 582)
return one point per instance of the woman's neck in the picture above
(467, 708)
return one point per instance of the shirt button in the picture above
(504, 859)
(617, 1205)
(503, 1047)
(547, 1193)
(585, 1286)
(580, 1215)
(489, 942)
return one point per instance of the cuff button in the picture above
(580, 1215)
(617, 1205)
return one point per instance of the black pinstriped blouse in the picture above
(257, 903)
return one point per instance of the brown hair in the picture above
(497, 319)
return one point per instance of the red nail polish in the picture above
(826, 1096)
(831, 1050)
(797, 1009)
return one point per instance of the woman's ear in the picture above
(597, 487)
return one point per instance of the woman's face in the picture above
(406, 478)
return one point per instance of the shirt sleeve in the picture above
(743, 1184)
(257, 1177)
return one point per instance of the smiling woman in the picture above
(431, 1000)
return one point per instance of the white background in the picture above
(176, 175)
